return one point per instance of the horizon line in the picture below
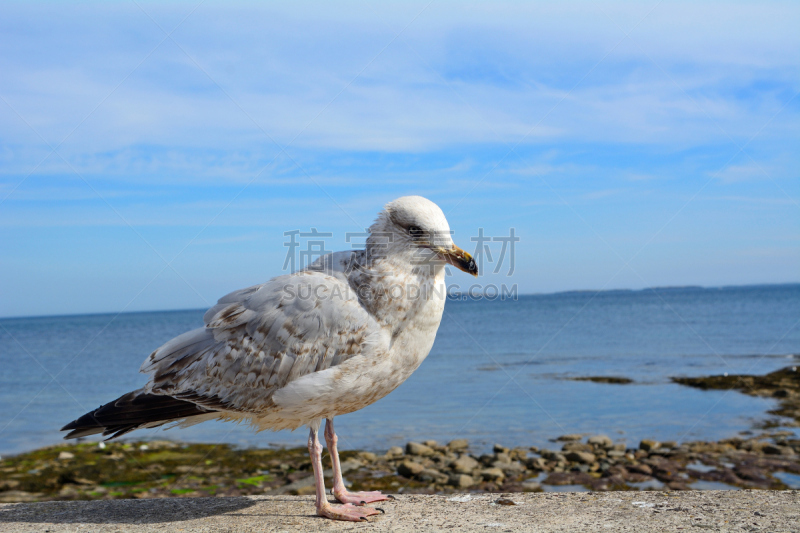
(555, 293)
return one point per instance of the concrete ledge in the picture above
(599, 511)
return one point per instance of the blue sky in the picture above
(152, 155)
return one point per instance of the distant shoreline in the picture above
(576, 292)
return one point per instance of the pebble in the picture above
(573, 436)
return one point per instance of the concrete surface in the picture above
(585, 512)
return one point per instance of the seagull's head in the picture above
(415, 225)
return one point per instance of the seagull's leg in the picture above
(336, 512)
(339, 490)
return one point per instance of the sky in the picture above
(154, 154)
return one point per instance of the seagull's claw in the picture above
(362, 498)
(346, 512)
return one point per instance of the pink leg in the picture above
(339, 490)
(337, 512)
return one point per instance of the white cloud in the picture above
(459, 75)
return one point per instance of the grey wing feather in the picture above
(259, 339)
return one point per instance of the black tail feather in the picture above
(132, 411)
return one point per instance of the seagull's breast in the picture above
(365, 379)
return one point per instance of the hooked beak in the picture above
(459, 259)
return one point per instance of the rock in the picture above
(431, 443)
(458, 445)
(511, 468)
(603, 441)
(395, 451)
(616, 470)
(571, 437)
(502, 457)
(530, 486)
(461, 481)
(640, 469)
(581, 457)
(774, 449)
(368, 457)
(65, 456)
(409, 468)
(553, 456)
(429, 474)
(464, 465)
(8, 484)
(536, 463)
(486, 459)
(15, 496)
(577, 447)
(499, 449)
(493, 474)
(518, 454)
(616, 453)
(648, 445)
(415, 448)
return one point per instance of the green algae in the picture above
(147, 469)
(256, 481)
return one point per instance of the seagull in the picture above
(305, 347)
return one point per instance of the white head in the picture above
(413, 224)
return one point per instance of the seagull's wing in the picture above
(258, 340)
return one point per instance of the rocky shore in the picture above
(168, 469)
(87, 471)
(783, 385)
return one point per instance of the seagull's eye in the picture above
(415, 232)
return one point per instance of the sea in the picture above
(499, 371)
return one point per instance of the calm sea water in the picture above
(497, 372)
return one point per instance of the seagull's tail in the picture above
(131, 411)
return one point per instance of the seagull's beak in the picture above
(459, 259)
